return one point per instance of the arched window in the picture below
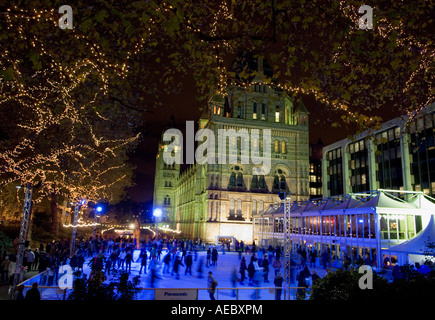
(239, 207)
(276, 149)
(276, 182)
(167, 200)
(232, 205)
(282, 183)
(283, 147)
(239, 179)
(277, 111)
(261, 183)
(279, 182)
(254, 182)
(232, 180)
(236, 177)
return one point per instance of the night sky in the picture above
(185, 107)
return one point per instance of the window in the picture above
(263, 111)
(239, 207)
(283, 149)
(282, 183)
(167, 201)
(276, 182)
(216, 110)
(232, 203)
(261, 206)
(276, 149)
(254, 111)
(217, 181)
(277, 114)
(239, 179)
(239, 111)
(254, 182)
(279, 182)
(261, 184)
(232, 179)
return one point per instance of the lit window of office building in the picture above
(399, 156)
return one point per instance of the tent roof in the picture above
(351, 201)
(378, 198)
(322, 205)
(382, 200)
(422, 202)
(416, 245)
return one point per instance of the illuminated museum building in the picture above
(208, 201)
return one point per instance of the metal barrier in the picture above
(249, 293)
(230, 293)
(48, 287)
(54, 292)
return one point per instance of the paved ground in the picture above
(227, 263)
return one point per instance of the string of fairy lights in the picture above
(385, 29)
(60, 81)
(58, 87)
(118, 226)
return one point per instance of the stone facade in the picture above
(213, 200)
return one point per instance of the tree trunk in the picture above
(54, 216)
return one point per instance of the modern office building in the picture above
(358, 214)
(315, 171)
(400, 156)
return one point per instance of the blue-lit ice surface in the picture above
(222, 272)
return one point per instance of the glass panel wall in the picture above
(388, 159)
(334, 170)
(358, 166)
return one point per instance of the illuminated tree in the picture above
(72, 95)
(63, 132)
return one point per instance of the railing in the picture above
(50, 290)
(237, 293)
(230, 293)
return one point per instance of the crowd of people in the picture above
(163, 257)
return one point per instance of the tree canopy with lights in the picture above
(73, 98)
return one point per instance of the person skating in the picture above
(242, 270)
(211, 284)
(143, 263)
(278, 284)
(188, 261)
(177, 264)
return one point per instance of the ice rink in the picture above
(227, 263)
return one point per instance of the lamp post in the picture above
(157, 213)
(98, 209)
(74, 230)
